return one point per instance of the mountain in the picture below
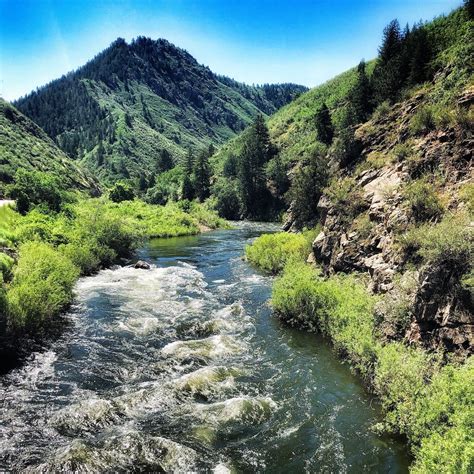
(25, 145)
(118, 112)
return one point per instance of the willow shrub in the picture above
(271, 252)
(42, 285)
(429, 403)
(339, 307)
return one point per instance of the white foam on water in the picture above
(212, 347)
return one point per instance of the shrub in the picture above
(400, 378)
(347, 200)
(270, 252)
(377, 159)
(442, 422)
(42, 285)
(402, 152)
(121, 191)
(363, 226)
(227, 199)
(6, 265)
(466, 194)
(381, 111)
(450, 242)
(422, 121)
(340, 307)
(32, 188)
(423, 201)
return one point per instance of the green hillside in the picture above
(433, 58)
(119, 112)
(25, 145)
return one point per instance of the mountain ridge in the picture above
(149, 89)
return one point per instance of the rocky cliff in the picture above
(412, 175)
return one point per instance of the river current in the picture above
(183, 368)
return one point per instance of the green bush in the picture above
(449, 242)
(400, 378)
(381, 111)
(428, 403)
(402, 152)
(121, 191)
(42, 286)
(32, 188)
(442, 422)
(347, 200)
(227, 199)
(340, 307)
(423, 120)
(6, 265)
(270, 252)
(466, 194)
(423, 200)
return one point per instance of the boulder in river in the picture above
(142, 265)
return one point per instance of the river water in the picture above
(182, 368)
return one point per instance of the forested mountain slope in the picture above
(132, 101)
(381, 158)
(24, 145)
(434, 57)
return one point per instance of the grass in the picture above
(271, 252)
(423, 201)
(55, 248)
(427, 402)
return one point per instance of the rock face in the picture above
(442, 312)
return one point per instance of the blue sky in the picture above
(254, 41)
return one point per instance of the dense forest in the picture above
(133, 102)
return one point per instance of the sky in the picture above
(253, 41)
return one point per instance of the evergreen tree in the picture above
(420, 56)
(164, 161)
(324, 126)
(187, 190)
(306, 189)
(360, 96)
(202, 176)
(469, 4)
(142, 182)
(387, 77)
(257, 150)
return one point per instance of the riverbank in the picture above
(182, 367)
(425, 397)
(43, 254)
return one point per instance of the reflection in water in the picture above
(182, 368)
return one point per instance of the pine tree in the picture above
(420, 56)
(469, 4)
(187, 190)
(257, 150)
(202, 176)
(387, 79)
(360, 96)
(306, 189)
(142, 182)
(324, 127)
(164, 161)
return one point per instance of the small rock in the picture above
(142, 265)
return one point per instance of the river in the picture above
(183, 368)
